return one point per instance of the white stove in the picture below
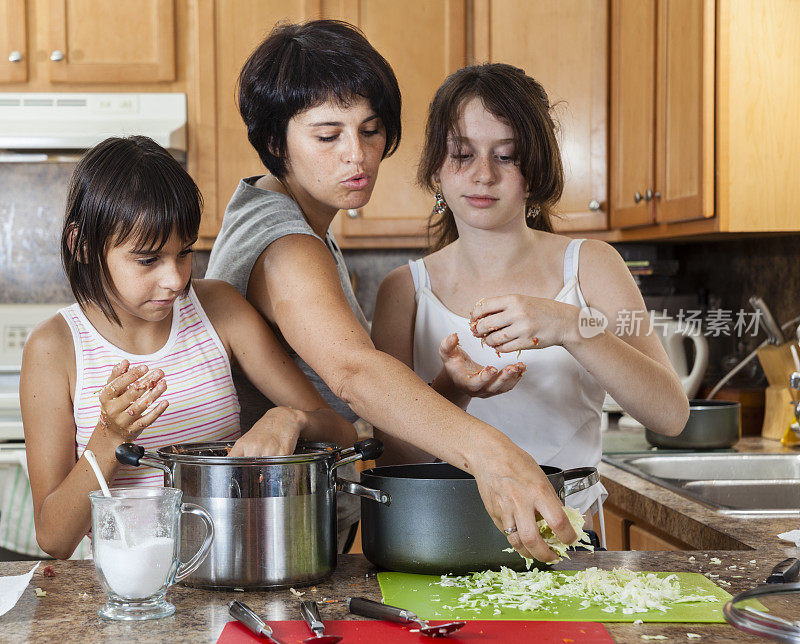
(16, 323)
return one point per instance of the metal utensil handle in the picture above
(310, 612)
(244, 614)
(579, 478)
(186, 569)
(376, 610)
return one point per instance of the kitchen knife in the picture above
(785, 572)
(774, 333)
(244, 614)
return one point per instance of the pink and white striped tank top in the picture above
(202, 400)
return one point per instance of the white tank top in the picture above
(554, 411)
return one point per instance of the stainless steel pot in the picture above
(274, 517)
(436, 522)
(712, 424)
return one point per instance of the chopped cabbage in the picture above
(633, 592)
(554, 543)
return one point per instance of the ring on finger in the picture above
(510, 530)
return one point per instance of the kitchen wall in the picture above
(716, 274)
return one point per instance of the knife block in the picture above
(778, 411)
(777, 362)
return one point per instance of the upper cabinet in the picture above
(88, 42)
(424, 42)
(97, 41)
(564, 46)
(13, 42)
(661, 111)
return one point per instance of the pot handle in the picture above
(351, 487)
(368, 450)
(579, 478)
(130, 454)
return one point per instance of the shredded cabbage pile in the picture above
(632, 592)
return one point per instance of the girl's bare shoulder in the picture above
(50, 342)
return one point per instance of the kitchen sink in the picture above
(729, 483)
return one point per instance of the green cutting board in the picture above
(417, 593)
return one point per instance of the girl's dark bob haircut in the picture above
(515, 98)
(300, 66)
(123, 189)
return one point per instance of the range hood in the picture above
(56, 126)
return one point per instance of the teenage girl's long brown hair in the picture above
(511, 96)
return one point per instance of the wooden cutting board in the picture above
(475, 632)
(422, 595)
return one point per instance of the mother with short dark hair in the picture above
(322, 109)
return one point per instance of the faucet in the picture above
(794, 383)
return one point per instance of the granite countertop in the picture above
(69, 611)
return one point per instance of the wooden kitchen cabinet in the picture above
(616, 528)
(750, 134)
(564, 46)
(660, 112)
(13, 42)
(97, 41)
(640, 538)
(625, 531)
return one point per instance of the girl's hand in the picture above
(125, 398)
(274, 434)
(516, 322)
(473, 379)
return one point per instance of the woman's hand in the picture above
(473, 379)
(516, 322)
(128, 393)
(514, 489)
(274, 434)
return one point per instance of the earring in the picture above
(439, 204)
(532, 213)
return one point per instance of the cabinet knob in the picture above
(637, 197)
(353, 213)
(648, 194)
(15, 56)
(594, 205)
(56, 55)
(656, 195)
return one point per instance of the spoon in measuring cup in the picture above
(310, 612)
(92, 460)
(369, 608)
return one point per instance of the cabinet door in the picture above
(424, 42)
(643, 539)
(97, 41)
(13, 42)
(632, 153)
(564, 46)
(240, 27)
(616, 528)
(679, 111)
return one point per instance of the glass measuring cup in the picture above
(136, 544)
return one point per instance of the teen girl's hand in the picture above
(274, 434)
(516, 322)
(473, 379)
(126, 397)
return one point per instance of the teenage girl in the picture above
(494, 308)
(145, 354)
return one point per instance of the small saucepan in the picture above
(436, 522)
(712, 424)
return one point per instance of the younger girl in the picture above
(145, 354)
(502, 288)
